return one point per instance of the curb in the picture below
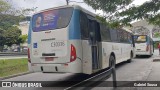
(15, 75)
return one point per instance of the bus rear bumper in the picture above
(73, 67)
(142, 53)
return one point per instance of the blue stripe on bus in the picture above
(29, 32)
(74, 26)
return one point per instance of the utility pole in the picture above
(67, 1)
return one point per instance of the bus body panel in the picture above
(51, 50)
(126, 51)
(106, 51)
(141, 49)
(122, 52)
(43, 44)
(86, 57)
(144, 47)
(60, 64)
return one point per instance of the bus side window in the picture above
(121, 35)
(129, 39)
(84, 26)
(94, 31)
(105, 33)
(114, 36)
(125, 37)
(98, 34)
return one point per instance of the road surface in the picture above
(140, 69)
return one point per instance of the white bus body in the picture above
(143, 45)
(69, 39)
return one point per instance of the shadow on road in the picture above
(143, 57)
(122, 64)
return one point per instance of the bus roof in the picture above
(65, 6)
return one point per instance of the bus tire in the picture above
(131, 57)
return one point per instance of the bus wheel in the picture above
(131, 57)
(112, 61)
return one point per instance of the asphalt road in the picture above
(140, 69)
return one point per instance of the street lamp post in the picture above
(67, 1)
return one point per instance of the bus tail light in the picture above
(73, 54)
(147, 48)
(29, 58)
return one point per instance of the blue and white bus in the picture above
(143, 45)
(70, 39)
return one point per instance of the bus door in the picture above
(94, 40)
(89, 44)
(86, 47)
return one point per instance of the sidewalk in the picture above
(155, 73)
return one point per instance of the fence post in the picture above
(114, 77)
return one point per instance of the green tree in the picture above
(12, 35)
(22, 39)
(148, 10)
(1, 39)
(157, 35)
(122, 12)
(110, 9)
(9, 18)
(4, 6)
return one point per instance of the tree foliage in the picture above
(9, 19)
(122, 12)
(108, 6)
(148, 10)
(111, 24)
(157, 35)
(11, 35)
(110, 9)
(22, 39)
(1, 37)
(4, 6)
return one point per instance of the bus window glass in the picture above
(125, 36)
(121, 35)
(114, 36)
(52, 19)
(84, 26)
(140, 38)
(105, 33)
(129, 38)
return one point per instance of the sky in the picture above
(45, 4)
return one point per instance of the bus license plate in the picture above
(49, 58)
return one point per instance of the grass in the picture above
(13, 66)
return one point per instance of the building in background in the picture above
(24, 26)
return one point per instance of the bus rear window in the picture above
(52, 19)
(140, 38)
